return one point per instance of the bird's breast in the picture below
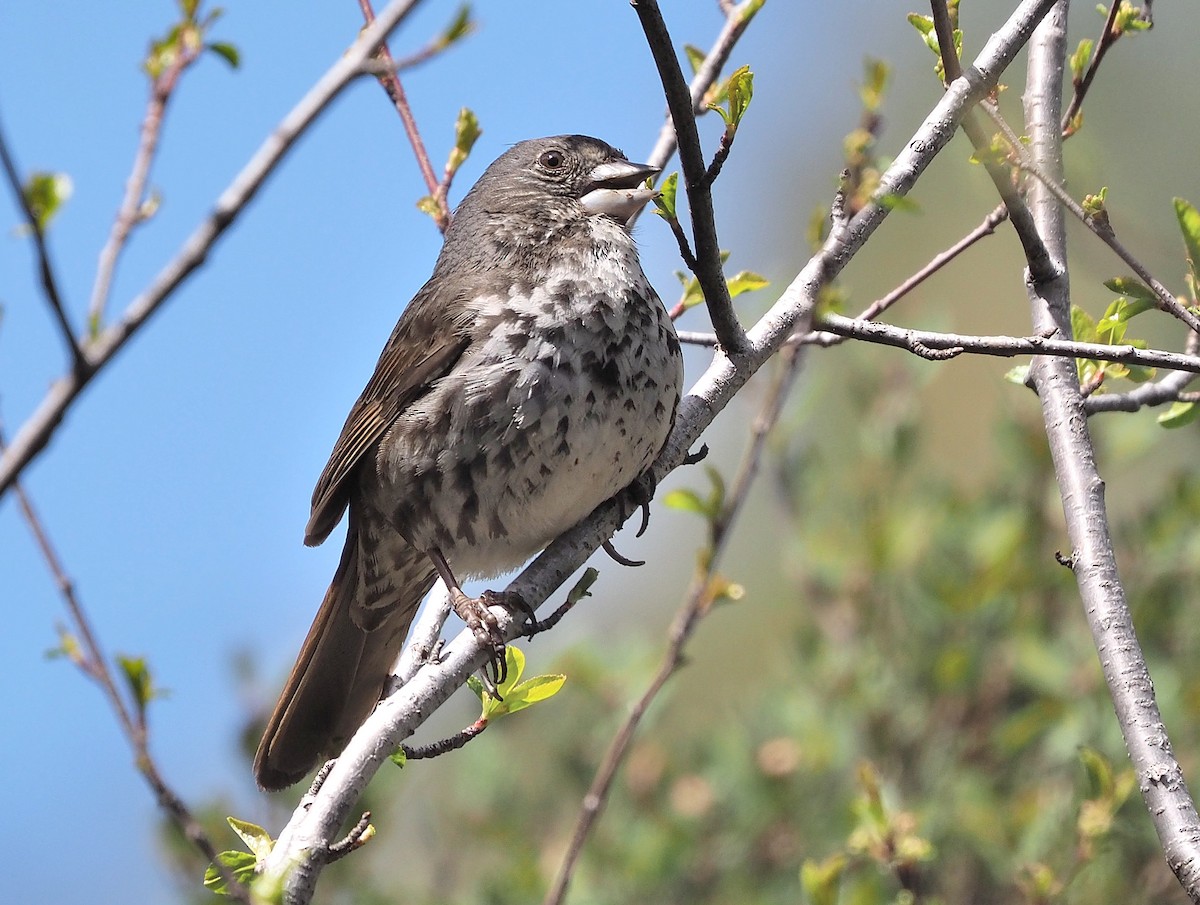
(564, 396)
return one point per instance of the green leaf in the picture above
(1179, 414)
(460, 26)
(695, 57)
(138, 678)
(1080, 59)
(46, 193)
(226, 51)
(874, 84)
(526, 694)
(515, 695)
(690, 501)
(466, 133)
(746, 281)
(749, 9)
(685, 500)
(1189, 225)
(256, 838)
(1083, 328)
(821, 881)
(741, 92)
(398, 757)
(428, 205)
(664, 201)
(737, 90)
(1136, 291)
(241, 864)
(582, 587)
(1018, 375)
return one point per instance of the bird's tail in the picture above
(341, 668)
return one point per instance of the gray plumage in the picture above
(535, 375)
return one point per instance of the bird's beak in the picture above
(615, 189)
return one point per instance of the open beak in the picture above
(616, 189)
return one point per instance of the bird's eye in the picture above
(551, 160)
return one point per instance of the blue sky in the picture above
(178, 488)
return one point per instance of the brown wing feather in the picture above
(405, 369)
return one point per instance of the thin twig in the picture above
(697, 604)
(737, 19)
(986, 228)
(358, 836)
(45, 268)
(129, 214)
(442, 746)
(1165, 299)
(1108, 37)
(1040, 264)
(93, 664)
(37, 430)
(709, 269)
(1081, 488)
(1000, 346)
(389, 79)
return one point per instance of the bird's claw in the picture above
(639, 494)
(477, 615)
(618, 557)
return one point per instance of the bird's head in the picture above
(563, 175)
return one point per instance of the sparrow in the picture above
(533, 377)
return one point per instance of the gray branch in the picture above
(1082, 489)
(302, 849)
(31, 438)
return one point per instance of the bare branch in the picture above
(93, 664)
(45, 268)
(1170, 389)
(1108, 37)
(1040, 264)
(1160, 776)
(129, 214)
(1001, 346)
(986, 228)
(389, 79)
(37, 430)
(1166, 300)
(709, 269)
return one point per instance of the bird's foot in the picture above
(476, 613)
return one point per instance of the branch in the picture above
(389, 79)
(93, 664)
(45, 268)
(36, 432)
(737, 18)
(1160, 777)
(129, 214)
(1159, 392)
(318, 819)
(1108, 38)
(697, 604)
(709, 270)
(1165, 299)
(918, 341)
(986, 228)
(1040, 264)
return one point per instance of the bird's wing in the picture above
(424, 346)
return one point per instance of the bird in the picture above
(534, 376)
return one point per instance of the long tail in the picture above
(342, 667)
